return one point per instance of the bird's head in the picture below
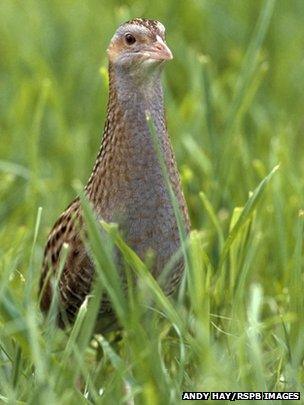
(139, 44)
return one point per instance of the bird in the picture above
(127, 185)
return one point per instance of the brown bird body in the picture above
(127, 185)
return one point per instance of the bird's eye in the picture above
(130, 39)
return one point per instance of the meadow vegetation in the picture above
(234, 101)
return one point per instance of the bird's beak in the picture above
(159, 50)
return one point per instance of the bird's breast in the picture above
(130, 185)
(133, 194)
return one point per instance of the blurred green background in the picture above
(234, 101)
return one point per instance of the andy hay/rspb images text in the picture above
(239, 396)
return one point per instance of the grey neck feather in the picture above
(131, 96)
(139, 92)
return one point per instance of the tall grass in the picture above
(234, 103)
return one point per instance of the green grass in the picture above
(234, 99)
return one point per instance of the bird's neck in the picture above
(135, 95)
(128, 147)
